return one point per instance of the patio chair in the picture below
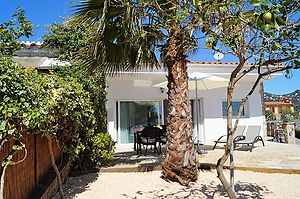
(252, 136)
(136, 130)
(148, 136)
(162, 137)
(238, 135)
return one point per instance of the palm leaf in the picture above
(116, 45)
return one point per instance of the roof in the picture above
(224, 63)
(278, 104)
(40, 63)
(40, 45)
(214, 62)
(35, 49)
(29, 44)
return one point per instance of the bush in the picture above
(94, 85)
(102, 148)
(71, 40)
(31, 102)
(297, 133)
(270, 116)
(99, 150)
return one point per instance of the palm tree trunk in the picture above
(181, 161)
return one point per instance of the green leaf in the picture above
(280, 21)
(256, 2)
(11, 131)
(276, 26)
(249, 13)
(2, 125)
(276, 46)
(6, 99)
(267, 28)
(18, 147)
(26, 123)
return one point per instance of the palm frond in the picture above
(116, 44)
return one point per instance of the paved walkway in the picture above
(274, 157)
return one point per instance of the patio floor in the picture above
(274, 158)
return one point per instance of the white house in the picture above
(133, 100)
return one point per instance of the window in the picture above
(235, 108)
(133, 113)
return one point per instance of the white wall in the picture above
(214, 123)
(123, 91)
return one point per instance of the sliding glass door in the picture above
(149, 113)
(133, 113)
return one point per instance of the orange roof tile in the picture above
(278, 104)
(29, 44)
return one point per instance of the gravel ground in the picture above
(149, 185)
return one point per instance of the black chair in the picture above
(148, 136)
(136, 130)
(162, 137)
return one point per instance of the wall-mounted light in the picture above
(162, 90)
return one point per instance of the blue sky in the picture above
(44, 12)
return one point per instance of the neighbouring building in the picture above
(278, 107)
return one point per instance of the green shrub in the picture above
(102, 147)
(270, 116)
(31, 102)
(99, 149)
(19, 103)
(95, 85)
(71, 40)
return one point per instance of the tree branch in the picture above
(61, 192)
(238, 68)
(277, 61)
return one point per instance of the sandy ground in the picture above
(149, 186)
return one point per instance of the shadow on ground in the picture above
(152, 159)
(243, 190)
(77, 185)
(130, 158)
(238, 148)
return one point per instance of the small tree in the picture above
(11, 31)
(265, 32)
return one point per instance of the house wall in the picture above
(214, 123)
(125, 91)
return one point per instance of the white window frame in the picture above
(246, 109)
(118, 116)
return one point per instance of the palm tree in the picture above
(129, 35)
